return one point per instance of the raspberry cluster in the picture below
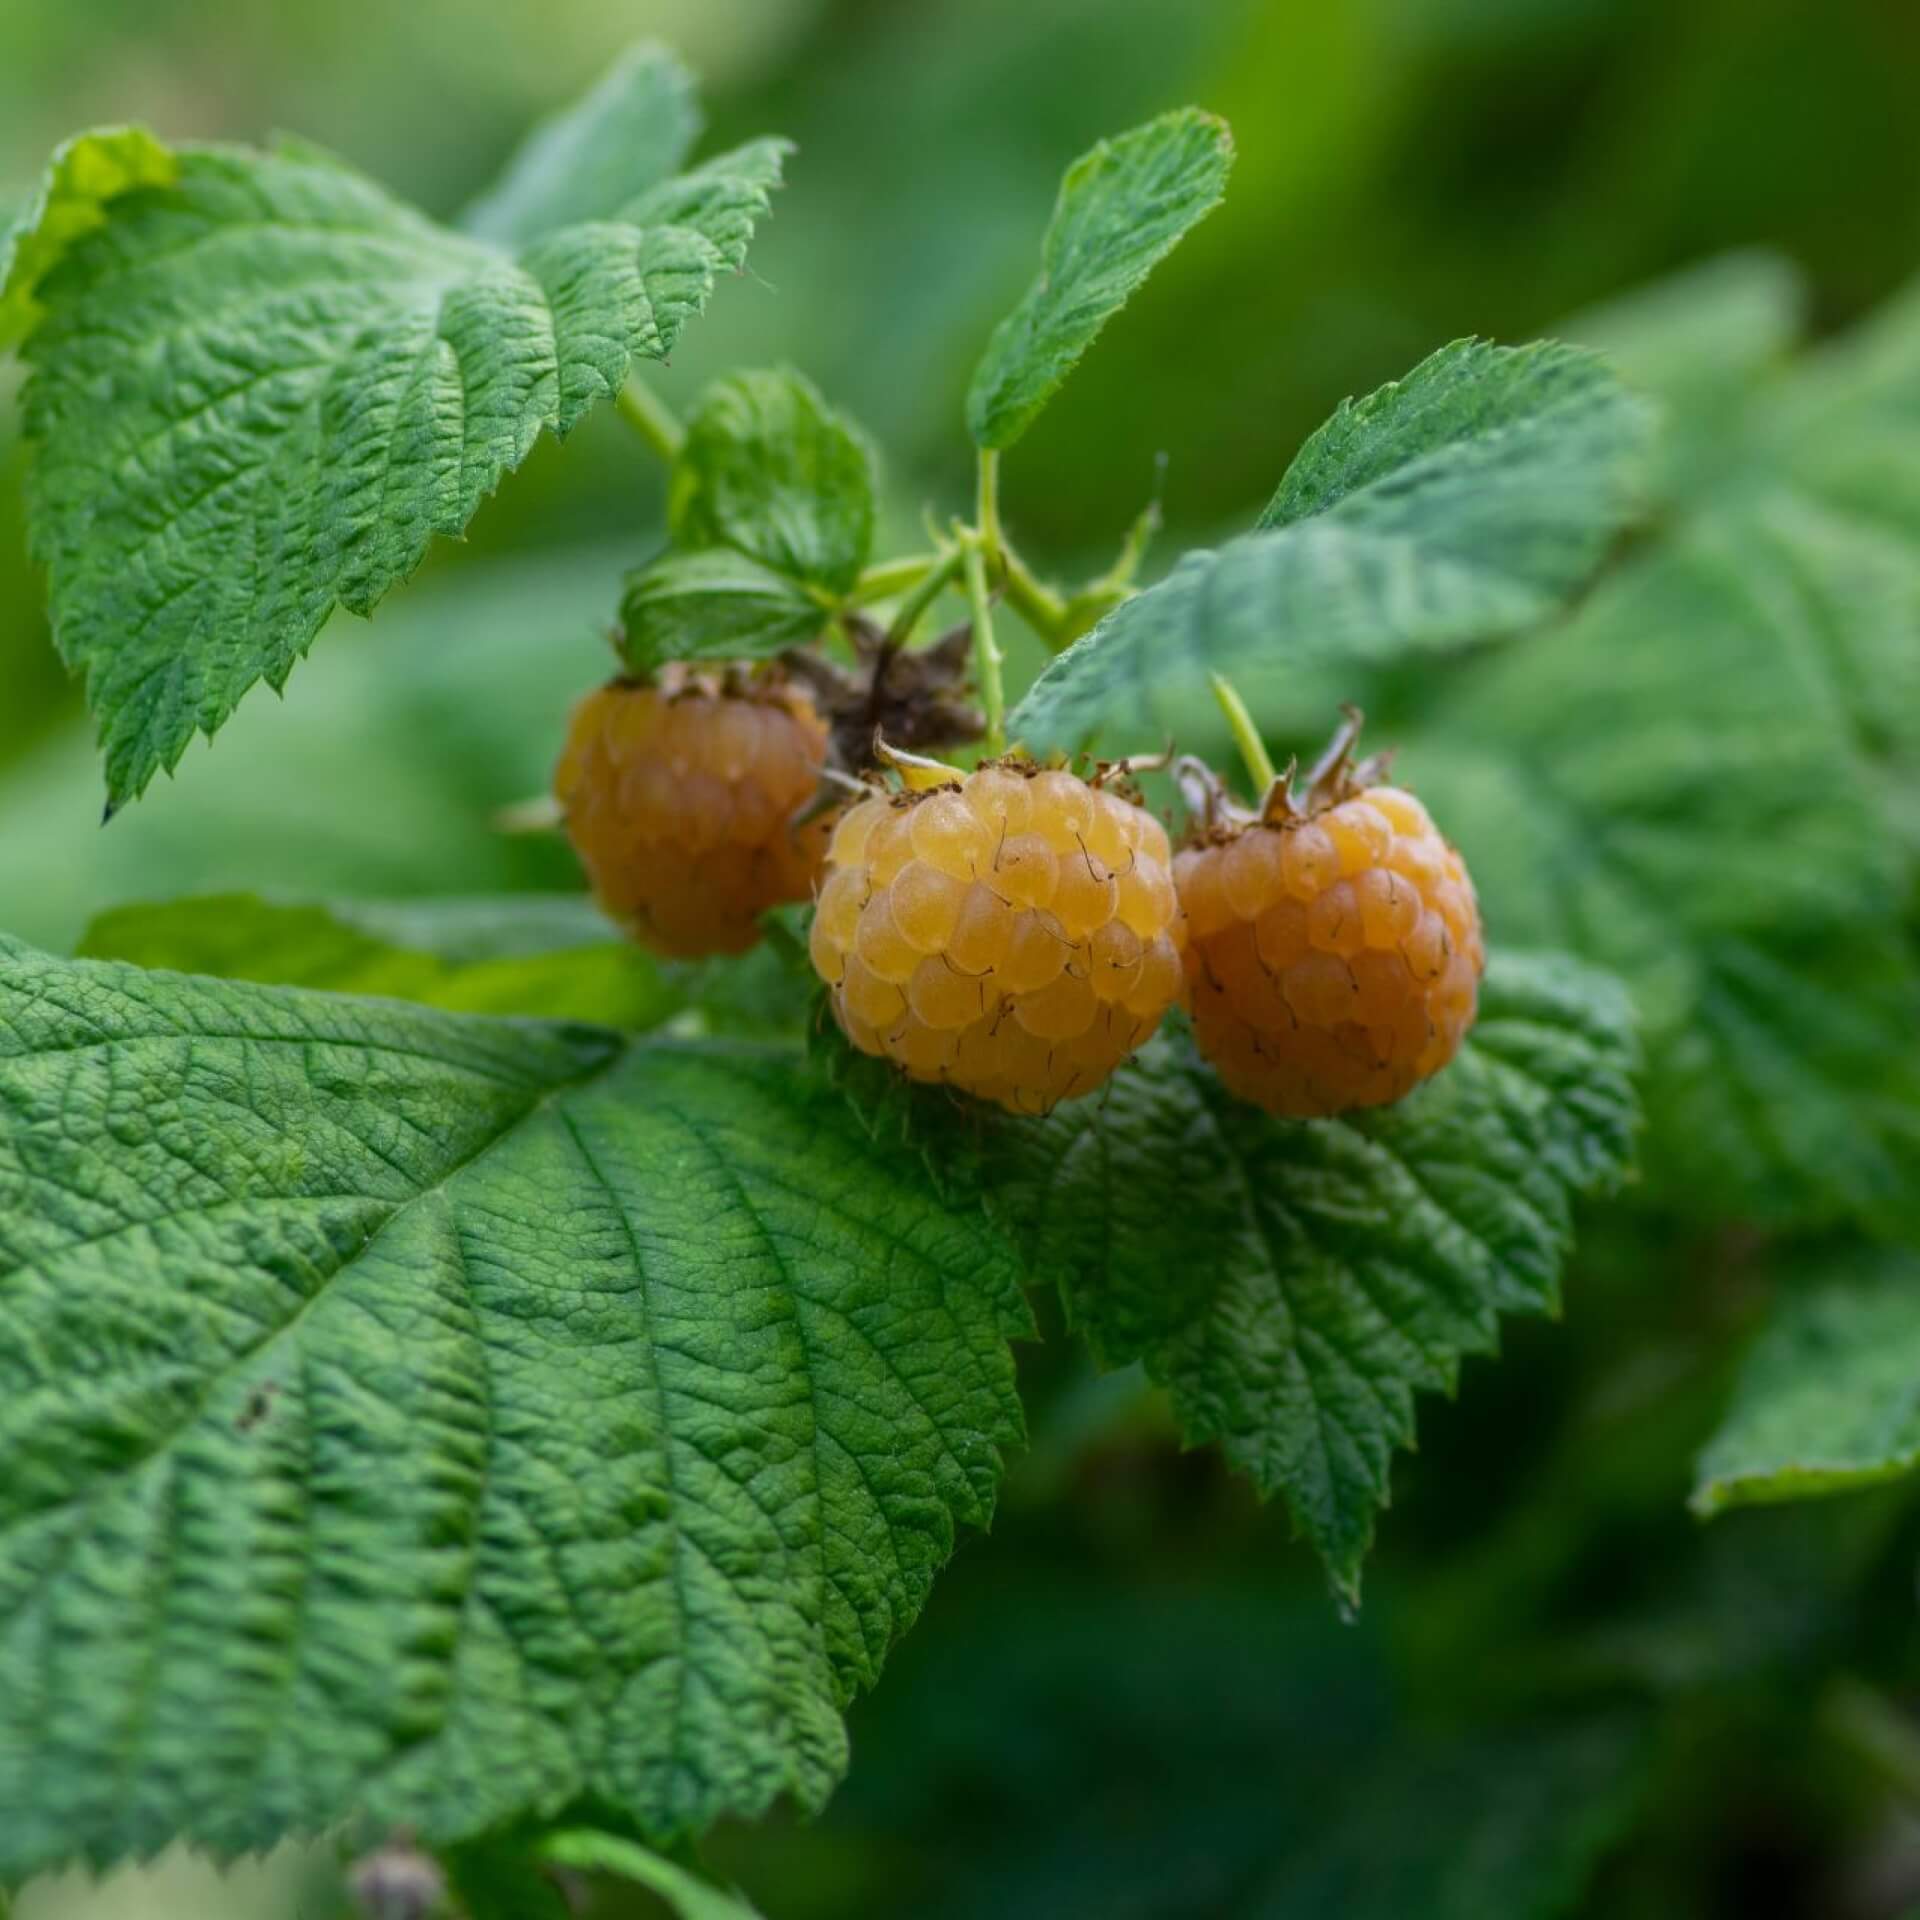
(1333, 958)
(680, 798)
(1014, 933)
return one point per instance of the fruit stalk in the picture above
(986, 650)
(1246, 736)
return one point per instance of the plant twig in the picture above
(1035, 602)
(1246, 736)
(651, 418)
(932, 584)
(889, 577)
(987, 511)
(986, 650)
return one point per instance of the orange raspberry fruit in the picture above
(680, 798)
(1334, 952)
(1013, 933)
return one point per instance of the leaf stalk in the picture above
(651, 418)
(986, 650)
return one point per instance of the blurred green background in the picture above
(1134, 1699)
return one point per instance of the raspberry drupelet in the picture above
(680, 798)
(1013, 932)
(1334, 947)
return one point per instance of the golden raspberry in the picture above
(1333, 959)
(679, 800)
(1013, 933)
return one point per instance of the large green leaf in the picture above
(1465, 502)
(770, 469)
(1669, 784)
(553, 956)
(1294, 1284)
(438, 1420)
(1123, 207)
(1702, 342)
(259, 391)
(1830, 1397)
(83, 179)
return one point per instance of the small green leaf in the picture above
(432, 1421)
(1294, 1284)
(1829, 1399)
(714, 604)
(591, 161)
(309, 381)
(771, 470)
(83, 178)
(1123, 207)
(553, 956)
(690, 1897)
(1464, 503)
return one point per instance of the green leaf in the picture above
(436, 1420)
(1789, 1095)
(1294, 1284)
(1829, 1399)
(690, 1897)
(1123, 207)
(771, 470)
(1693, 336)
(553, 956)
(714, 604)
(258, 393)
(83, 178)
(593, 160)
(1464, 503)
(1669, 785)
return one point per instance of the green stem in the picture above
(1246, 736)
(1035, 602)
(986, 651)
(651, 418)
(932, 584)
(1119, 577)
(890, 577)
(987, 513)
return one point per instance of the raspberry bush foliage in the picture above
(506, 1371)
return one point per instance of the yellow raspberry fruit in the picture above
(679, 799)
(1333, 959)
(1013, 933)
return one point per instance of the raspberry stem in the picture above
(931, 586)
(1035, 602)
(986, 650)
(651, 418)
(1246, 736)
(987, 512)
(889, 577)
